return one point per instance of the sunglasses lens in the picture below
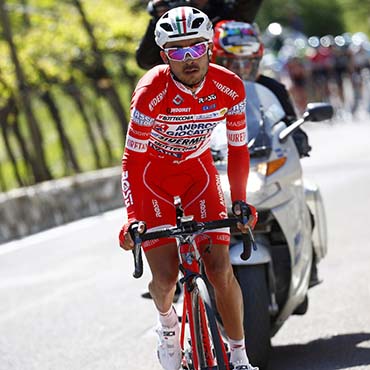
(195, 52)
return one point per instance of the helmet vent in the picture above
(167, 27)
(197, 23)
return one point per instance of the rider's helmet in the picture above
(183, 23)
(238, 47)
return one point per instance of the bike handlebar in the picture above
(185, 228)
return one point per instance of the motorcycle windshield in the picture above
(258, 98)
(261, 99)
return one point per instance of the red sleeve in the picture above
(238, 154)
(135, 155)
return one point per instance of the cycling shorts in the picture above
(197, 182)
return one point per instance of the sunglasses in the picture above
(195, 51)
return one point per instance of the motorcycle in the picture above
(290, 234)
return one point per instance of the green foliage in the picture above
(53, 49)
(356, 15)
(318, 17)
(55, 52)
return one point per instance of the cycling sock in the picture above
(238, 354)
(168, 319)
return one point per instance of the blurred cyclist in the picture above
(238, 47)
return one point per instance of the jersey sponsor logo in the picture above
(149, 243)
(126, 191)
(140, 118)
(206, 99)
(157, 148)
(190, 129)
(203, 208)
(178, 99)
(226, 90)
(182, 146)
(193, 117)
(240, 123)
(137, 132)
(223, 237)
(209, 107)
(156, 208)
(220, 192)
(155, 101)
(211, 115)
(162, 127)
(237, 138)
(178, 110)
(238, 108)
(136, 145)
(163, 117)
(175, 141)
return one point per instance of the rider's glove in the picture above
(241, 208)
(129, 228)
(122, 234)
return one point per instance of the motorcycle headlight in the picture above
(256, 180)
(258, 190)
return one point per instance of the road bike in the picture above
(201, 342)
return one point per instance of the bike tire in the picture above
(253, 284)
(204, 317)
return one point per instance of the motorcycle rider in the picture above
(148, 52)
(238, 47)
(174, 109)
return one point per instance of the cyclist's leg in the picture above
(156, 209)
(228, 295)
(206, 202)
(163, 263)
(229, 302)
(210, 205)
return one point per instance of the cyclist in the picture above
(174, 109)
(148, 52)
(238, 47)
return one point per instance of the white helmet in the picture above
(182, 23)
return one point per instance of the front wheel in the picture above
(209, 345)
(253, 283)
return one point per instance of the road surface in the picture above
(68, 300)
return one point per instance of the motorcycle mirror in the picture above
(316, 112)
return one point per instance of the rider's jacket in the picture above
(171, 126)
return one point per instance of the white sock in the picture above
(238, 354)
(168, 319)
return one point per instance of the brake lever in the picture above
(137, 252)
(248, 239)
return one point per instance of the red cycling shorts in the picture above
(197, 182)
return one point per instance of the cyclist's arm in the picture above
(238, 154)
(135, 154)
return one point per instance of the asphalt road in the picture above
(68, 300)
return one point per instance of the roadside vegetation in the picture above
(67, 70)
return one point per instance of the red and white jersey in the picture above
(171, 123)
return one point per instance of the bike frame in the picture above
(198, 314)
(190, 262)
